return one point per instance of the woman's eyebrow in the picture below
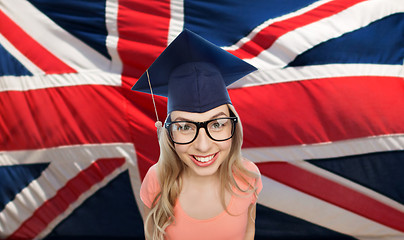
(189, 120)
(182, 119)
(218, 115)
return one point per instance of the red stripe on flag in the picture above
(267, 36)
(52, 117)
(141, 119)
(321, 110)
(333, 193)
(65, 196)
(31, 49)
(46, 118)
(143, 31)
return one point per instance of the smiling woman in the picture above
(201, 187)
(201, 155)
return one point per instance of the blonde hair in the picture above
(168, 171)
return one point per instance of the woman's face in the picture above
(203, 156)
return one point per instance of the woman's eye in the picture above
(184, 127)
(218, 124)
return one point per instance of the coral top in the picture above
(223, 226)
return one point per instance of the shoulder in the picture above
(151, 175)
(248, 171)
(249, 179)
(250, 166)
(255, 181)
(152, 170)
(150, 186)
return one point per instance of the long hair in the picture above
(169, 170)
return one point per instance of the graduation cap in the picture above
(193, 74)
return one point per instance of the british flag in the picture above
(323, 116)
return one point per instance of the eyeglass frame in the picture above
(204, 125)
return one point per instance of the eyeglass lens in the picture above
(218, 129)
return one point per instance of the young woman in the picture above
(201, 187)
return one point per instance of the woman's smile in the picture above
(204, 161)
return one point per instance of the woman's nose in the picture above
(202, 142)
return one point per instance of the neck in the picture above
(191, 177)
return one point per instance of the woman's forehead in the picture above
(220, 111)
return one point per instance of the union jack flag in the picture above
(323, 117)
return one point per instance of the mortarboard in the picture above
(193, 74)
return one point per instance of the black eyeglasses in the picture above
(185, 132)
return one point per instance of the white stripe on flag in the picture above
(394, 142)
(24, 83)
(262, 26)
(290, 74)
(295, 42)
(176, 19)
(55, 39)
(111, 16)
(290, 45)
(20, 57)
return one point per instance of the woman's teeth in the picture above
(204, 159)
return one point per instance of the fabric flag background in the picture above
(323, 116)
